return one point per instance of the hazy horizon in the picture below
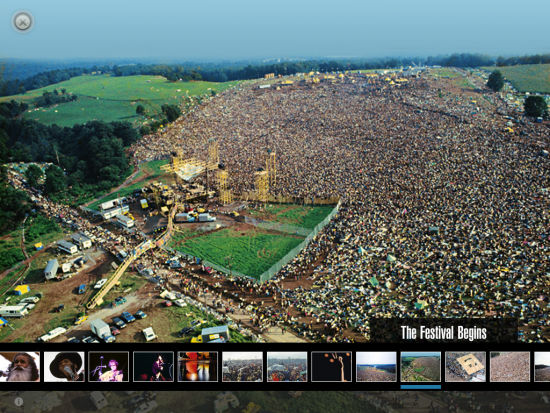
(243, 29)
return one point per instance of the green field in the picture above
(37, 229)
(445, 72)
(527, 78)
(252, 252)
(298, 215)
(151, 168)
(109, 98)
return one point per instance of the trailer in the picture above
(206, 218)
(16, 311)
(81, 240)
(125, 221)
(50, 272)
(67, 247)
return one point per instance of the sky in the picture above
(542, 357)
(237, 355)
(420, 354)
(287, 355)
(242, 29)
(376, 357)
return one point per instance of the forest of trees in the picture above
(88, 158)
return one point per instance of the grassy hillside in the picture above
(527, 78)
(109, 98)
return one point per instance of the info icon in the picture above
(22, 21)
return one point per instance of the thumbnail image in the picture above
(63, 366)
(104, 366)
(542, 366)
(330, 366)
(20, 366)
(510, 366)
(242, 366)
(287, 366)
(376, 366)
(420, 366)
(197, 366)
(153, 366)
(465, 366)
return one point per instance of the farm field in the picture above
(109, 98)
(251, 251)
(148, 172)
(298, 215)
(527, 78)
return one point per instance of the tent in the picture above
(3, 322)
(22, 289)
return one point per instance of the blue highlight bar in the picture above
(421, 387)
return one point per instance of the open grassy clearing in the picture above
(129, 283)
(301, 216)
(37, 229)
(445, 72)
(109, 98)
(250, 251)
(527, 78)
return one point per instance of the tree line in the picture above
(226, 71)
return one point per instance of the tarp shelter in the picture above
(3, 322)
(374, 282)
(22, 289)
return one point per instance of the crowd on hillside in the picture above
(443, 208)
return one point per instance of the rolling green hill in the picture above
(527, 78)
(108, 98)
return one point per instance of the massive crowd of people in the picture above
(444, 210)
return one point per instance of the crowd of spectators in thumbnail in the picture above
(242, 370)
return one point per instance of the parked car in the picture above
(80, 320)
(119, 323)
(115, 331)
(100, 283)
(59, 308)
(73, 340)
(185, 331)
(126, 316)
(168, 303)
(140, 314)
(90, 339)
(119, 301)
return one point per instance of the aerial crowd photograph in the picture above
(245, 173)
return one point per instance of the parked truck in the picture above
(102, 330)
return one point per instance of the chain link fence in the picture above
(275, 268)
